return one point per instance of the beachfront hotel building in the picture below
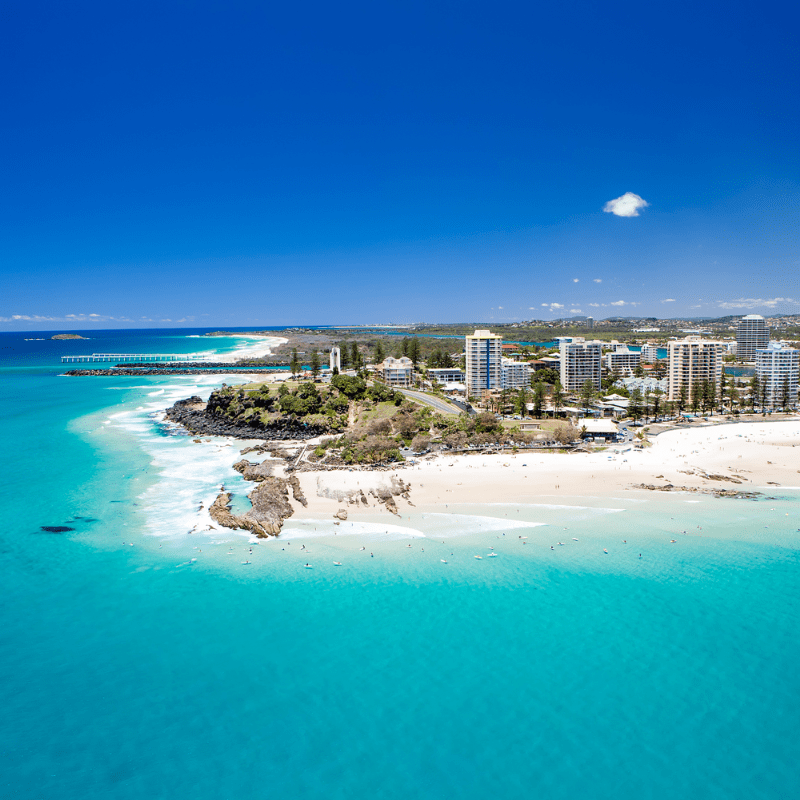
(752, 334)
(397, 371)
(622, 361)
(778, 368)
(692, 361)
(336, 359)
(484, 353)
(580, 362)
(515, 374)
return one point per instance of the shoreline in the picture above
(725, 461)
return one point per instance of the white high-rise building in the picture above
(693, 360)
(752, 334)
(623, 361)
(336, 358)
(515, 374)
(580, 362)
(649, 354)
(484, 353)
(778, 368)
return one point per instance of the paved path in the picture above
(441, 406)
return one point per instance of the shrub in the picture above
(354, 388)
(421, 442)
(379, 426)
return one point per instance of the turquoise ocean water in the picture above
(130, 670)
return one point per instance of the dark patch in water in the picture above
(116, 501)
(56, 528)
(84, 519)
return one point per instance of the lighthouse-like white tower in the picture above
(336, 358)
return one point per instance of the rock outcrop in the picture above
(383, 487)
(270, 507)
(668, 487)
(257, 472)
(297, 491)
(193, 414)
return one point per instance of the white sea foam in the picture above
(247, 346)
(446, 525)
(310, 528)
(189, 475)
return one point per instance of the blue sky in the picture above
(264, 164)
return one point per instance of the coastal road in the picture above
(435, 403)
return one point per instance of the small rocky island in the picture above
(67, 336)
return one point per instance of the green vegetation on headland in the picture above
(365, 423)
(325, 407)
(67, 336)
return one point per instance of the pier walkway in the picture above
(122, 358)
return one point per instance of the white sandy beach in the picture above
(254, 347)
(759, 456)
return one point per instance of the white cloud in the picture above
(575, 311)
(598, 280)
(619, 303)
(668, 300)
(595, 305)
(627, 205)
(752, 302)
(65, 318)
(576, 280)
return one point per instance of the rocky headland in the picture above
(67, 336)
(210, 419)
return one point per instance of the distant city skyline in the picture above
(266, 166)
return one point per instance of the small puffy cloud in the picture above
(619, 303)
(575, 280)
(757, 302)
(595, 305)
(668, 300)
(598, 280)
(575, 311)
(627, 205)
(553, 306)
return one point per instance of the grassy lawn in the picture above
(380, 411)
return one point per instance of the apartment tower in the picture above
(484, 353)
(691, 361)
(778, 368)
(580, 362)
(752, 334)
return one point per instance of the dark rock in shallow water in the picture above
(56, 529)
